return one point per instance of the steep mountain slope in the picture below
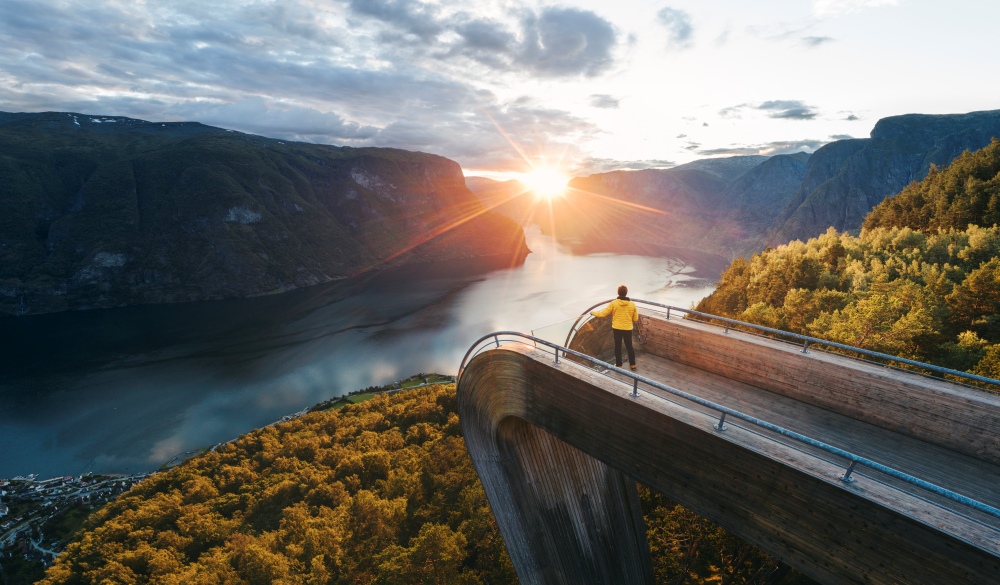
(108, 211)
(846, 179)
(921, 281)
(967, 192)
(755, 200)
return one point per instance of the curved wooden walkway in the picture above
(559, 446)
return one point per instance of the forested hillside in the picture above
(968, 192)
(378, 492)
(921, 281)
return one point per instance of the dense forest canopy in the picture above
(967, 192)
(381, 492)
(921, 281)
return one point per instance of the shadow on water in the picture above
(127, 389)
(239, 328)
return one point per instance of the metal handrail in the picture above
(725, 410)
(805, 339)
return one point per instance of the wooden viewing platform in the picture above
(559, 447)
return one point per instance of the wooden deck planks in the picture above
(781, 498)
(960, 419)
(966, 475)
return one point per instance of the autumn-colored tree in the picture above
(921, 281)
(381, 492)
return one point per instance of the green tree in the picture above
(976, 302)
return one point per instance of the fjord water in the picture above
(125, 390)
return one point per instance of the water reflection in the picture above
(127, 389)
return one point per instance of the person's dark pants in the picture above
(625, 336)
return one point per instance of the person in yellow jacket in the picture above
(623, 315)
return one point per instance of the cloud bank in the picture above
(359, 72)
(775, 109)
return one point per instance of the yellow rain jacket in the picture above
(623, 314)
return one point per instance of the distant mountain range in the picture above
(846, 179)
(105, 211)
(739, 205)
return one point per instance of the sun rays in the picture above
(542, 195)
(546, 183)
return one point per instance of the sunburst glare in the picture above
(546, 183)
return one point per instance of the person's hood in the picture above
(623, 300)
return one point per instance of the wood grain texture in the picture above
(540, 433)
(566, 517)
(938, 412)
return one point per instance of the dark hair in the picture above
(623, 291)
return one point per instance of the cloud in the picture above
(550, 42)
(841, 137)
(603, 100)
(767, 149)
(776, 109)
(723, 37)
(567, 41)
(357, 72)
(813, 42)
(788, 110)
(827, 8)
(481, 141)
(259, 116)
(734, 111)
(678, 25)
(606, 165)
(416, 18)
(783, 31)
(851, 118)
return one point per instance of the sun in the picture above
(546, 183)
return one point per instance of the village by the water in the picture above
(37, 517)
(35, 514)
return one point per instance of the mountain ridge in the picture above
(736, 206)
(900, 150)
(108, 211)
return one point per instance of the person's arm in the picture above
(635, 313)
(605, 311)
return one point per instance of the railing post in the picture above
(846, 476)
(727, 328)
(722, 423)
(557, 355)
(497, 338)
(805, 346)
(668, 313)
(635, 387)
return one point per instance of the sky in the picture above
(503, 86)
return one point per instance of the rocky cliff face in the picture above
(753, 202)
(108, 211)
(846, 179)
